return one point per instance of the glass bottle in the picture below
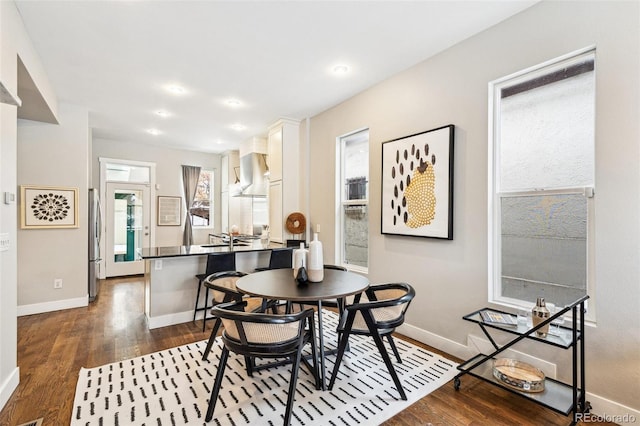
(315, 266)
(299, 259)
(540, 313)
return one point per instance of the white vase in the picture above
(315, 266)
(299, 259)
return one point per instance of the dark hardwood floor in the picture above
(52, 348)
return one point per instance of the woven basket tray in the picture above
(518, 375)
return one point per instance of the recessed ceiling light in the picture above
(162, 113)
(233, 103)
(220, 142)
(238, 127)
(175, 89)
(340, 69)
(154, 132)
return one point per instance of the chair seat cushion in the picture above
(379, 315)
(260, 333)
(228, 282)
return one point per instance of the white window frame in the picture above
(341, 203)
(211, 203)
(495, 195)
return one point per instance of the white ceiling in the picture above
(116, 58)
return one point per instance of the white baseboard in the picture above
(611, 411)
(604, 408)
(8, 386)
(484, 346)
(56, 305)
(171, 319)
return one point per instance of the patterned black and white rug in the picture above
(172, 387)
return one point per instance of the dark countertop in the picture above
(179, 251)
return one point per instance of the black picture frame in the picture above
(417, 184)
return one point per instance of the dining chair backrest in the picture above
(219, 262)
(377, 317)
(334, 267)
(223, 285)
(387, 303)
(280, 258)
(255, 334)
(216, 262)
(260, 330)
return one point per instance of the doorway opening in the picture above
(127, 188)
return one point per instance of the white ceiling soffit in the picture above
(117, 58)
(33, 107)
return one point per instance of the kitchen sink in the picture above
(224, 245)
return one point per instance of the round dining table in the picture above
(279, 284)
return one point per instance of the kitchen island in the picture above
(170, 282)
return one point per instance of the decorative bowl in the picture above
(518, 375)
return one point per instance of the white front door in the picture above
(127, 227)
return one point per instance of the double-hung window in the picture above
(353, 200)
(541, 182)
(201, 209)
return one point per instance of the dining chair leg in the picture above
(392, 343)
(248, 361)
(206, 308)
(195, 308)
(344, 340)
(292, 385)
(214, 333)
(341, 309)
(314, 352)
(368, 318)
(217, 384)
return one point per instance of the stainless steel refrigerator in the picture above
(95, 233)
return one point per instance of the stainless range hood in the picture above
(253, 176)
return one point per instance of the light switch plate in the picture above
(9, 198)
(4, 242)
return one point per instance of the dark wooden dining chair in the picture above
(378, 317)
(331, 303)
(280, 258)
(217, 262)
(254, 334)
(223, 286)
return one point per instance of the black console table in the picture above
(560, 397)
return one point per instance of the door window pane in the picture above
(127, 225)
(127, 173)
(544, 247)
(547, 134)
(354, 198)
(544, 162)
(356, 234)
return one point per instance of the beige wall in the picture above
(13, 42)
(451, 276)
(54, 155)
(168, 177)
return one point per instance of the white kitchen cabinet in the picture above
(276, 224)
(224, 173)
(228, 208)
(284, 175)
(275, 154)
(224, 211)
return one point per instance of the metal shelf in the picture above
(560, 397)
(556, 395)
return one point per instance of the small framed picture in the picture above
(169, 211)
(417, 184)
(48, 207)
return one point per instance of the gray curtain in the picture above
(190, 176)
